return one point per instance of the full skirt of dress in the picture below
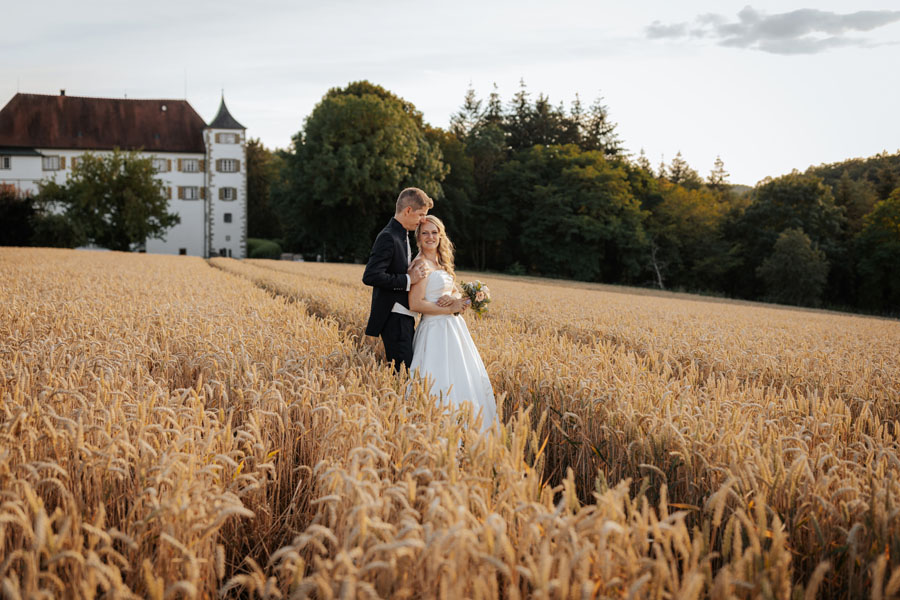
(443, 352)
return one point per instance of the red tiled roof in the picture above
(40, 121)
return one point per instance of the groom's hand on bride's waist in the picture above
(445, 301)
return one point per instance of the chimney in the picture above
(62, 92)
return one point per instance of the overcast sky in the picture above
(770, 86)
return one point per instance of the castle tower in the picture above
(226, 160)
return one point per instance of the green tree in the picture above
(540, 123)
(598, 131)
(688, 249)
(643, 162)
(360, 146)
(796, 270)
(517, 121)
(662, 171)
(468, 186)
(570, 213)
(793, 201)
(887, 179)
(857, 197)
(114, 199)
(263, 172)
(54, 230)
(878, 249)
(718, 177)
(17, 213)
(681, 173)
(456, 207)
(468, 117)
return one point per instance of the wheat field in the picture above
(178, 428)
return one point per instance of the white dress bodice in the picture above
(439, 284)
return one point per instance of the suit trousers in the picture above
(397, 336)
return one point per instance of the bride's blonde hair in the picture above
(445, 246)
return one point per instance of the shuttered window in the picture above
(188, 165)
(228, 165)
(50, 163)
(227, 193)
(190, 192)
(160, 165)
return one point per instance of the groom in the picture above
(390, 275)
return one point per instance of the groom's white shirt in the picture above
(399, 308)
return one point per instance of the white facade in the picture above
(227, 180)
(22, 172)
(207, 190)
(185, 182)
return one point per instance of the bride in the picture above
(443, 349)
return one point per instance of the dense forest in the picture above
(527, 186)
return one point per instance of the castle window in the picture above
(189, 165)
(227, 217)
(51, 163)
(190, 192)
(5, 162)
(162, 165)
(228, 165)
(227, 193)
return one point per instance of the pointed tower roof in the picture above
(224, 120)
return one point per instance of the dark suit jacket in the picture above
(386, 273)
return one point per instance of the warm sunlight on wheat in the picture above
(171, 427)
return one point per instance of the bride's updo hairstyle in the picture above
(445, 246)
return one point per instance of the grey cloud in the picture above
(658, 30)
(803, 31)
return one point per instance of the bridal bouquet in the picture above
(478, 294)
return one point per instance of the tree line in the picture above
(526, 186)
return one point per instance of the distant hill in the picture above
(881, 171)
(741, 190)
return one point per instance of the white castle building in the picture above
(203, 167)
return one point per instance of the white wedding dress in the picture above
(444, 352)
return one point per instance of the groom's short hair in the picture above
(413, 197)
